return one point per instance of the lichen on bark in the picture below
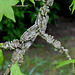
(29, 36)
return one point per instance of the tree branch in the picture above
(20, 6)
(28, 37)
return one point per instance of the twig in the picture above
(20, 6)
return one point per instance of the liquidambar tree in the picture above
(26, 40)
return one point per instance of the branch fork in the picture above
(29, 36)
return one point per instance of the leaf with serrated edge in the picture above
(6, 9)
(15, 70)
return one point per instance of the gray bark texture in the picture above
(28, 37)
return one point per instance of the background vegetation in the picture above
(43, 60)
(26, 16)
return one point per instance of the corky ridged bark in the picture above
(28, 37)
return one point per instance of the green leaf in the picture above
(73, 6)
(6, 9)
(15, 70)
(65, 63)
(22, 1)
(33, 2)
(0, 44)
(1, 57)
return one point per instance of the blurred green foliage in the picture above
(25, 17)
(10, 30)
(38, 65)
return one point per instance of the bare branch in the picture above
(28, 37)
(20, 6)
